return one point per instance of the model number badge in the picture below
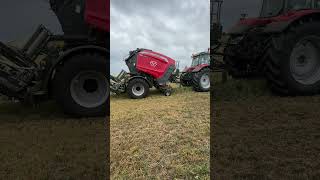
(153, 63)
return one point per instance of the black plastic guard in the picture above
(70, 14)
(165, 78)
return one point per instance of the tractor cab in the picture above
(271, 8)
(200, 59)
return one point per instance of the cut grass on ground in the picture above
(42, 143)
(258, 135)
(160, 137)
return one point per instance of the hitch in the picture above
(118, 83)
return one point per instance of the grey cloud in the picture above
(20, 18)
(175, 28)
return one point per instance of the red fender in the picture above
(200, 67)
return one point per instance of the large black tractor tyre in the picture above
(293, 61)
(81, 85)
(201, 80)
(138, 88)
(185, 79)
(236, 67)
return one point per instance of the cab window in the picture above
(317, 3)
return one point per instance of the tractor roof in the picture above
(199, 54)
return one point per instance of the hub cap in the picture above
(138, 89)
(89, 89)
(205, 81)
(305, 61)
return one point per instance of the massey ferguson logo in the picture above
(153, 63)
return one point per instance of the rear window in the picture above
(317, 3)
(299, 4)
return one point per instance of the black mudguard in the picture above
(165, 78)
(64, 57)
(141, 77)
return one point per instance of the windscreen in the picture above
(271, 8)
(201, 59)
(317, 3)
(299, 4)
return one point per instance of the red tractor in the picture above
(198, 75)
(71, 68)
(283, 44)
(147, 69)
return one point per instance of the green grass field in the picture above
(160, 137)
(43, 143)
(258, 135)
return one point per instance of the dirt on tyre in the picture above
(138, 88)
(81, 85)
(293, 64)
(201, 80)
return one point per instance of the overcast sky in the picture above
(176, 28)
(20, 18)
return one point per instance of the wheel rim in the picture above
(305, 61)
(205, 81)
(138, 89)
(90, 89)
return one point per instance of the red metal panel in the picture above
(196, 68)
(153, 63)
(291, 15)
(97, 14)
(200, 67)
